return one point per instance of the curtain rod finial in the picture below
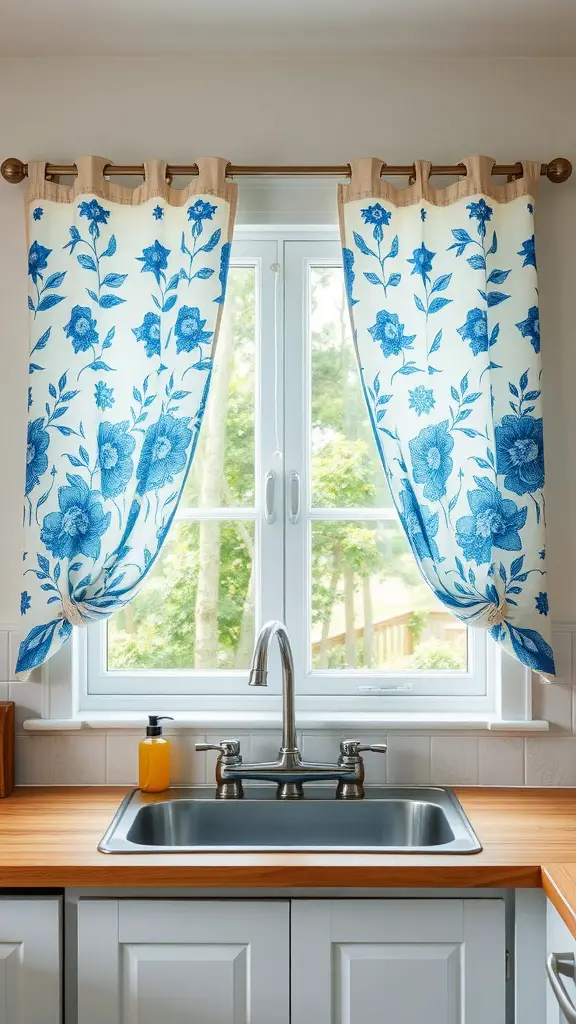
(559, 170)
(13, 170)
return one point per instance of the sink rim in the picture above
(465, 840)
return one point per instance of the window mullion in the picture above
(270, 447)
(298, 256)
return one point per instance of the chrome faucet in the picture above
(289, 771)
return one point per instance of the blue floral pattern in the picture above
(37, 260)
(530, 327)
(103, 396)
(528, 252)
(421, 400)
(154, 259)
(163, 454)
(430, 294)
(431, 460)
(81, 329)
(77, 528)
(420, 524)
(37, 444)
(481, 213)
(149, 333)
(390, 333)
(520, 453)
(475, 330)
(223, 272)
(121, 353)
(188, 330)
(115, 448)
(422, 261)
(494, 523)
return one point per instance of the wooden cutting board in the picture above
(6, 747)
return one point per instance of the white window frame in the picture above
(297, 249)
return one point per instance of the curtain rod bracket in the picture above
(14, 170)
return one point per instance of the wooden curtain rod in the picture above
(14, 170)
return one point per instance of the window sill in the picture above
(248, 721)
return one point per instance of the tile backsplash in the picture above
(91, 757)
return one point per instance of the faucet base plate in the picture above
(290, 791)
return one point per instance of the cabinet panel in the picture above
(174, 961)
(365, 961)
(30, 982)
(426, 977)
(177, 983)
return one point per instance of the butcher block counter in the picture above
(49, 838)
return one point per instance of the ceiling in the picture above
(488, 28)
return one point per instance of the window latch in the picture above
(294, 489)
(269, 491)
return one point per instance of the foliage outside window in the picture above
(351, 576)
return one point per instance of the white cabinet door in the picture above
(30, 981)
(178, 961)
(558, 940)
(398, 961)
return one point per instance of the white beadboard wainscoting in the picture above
(109, 757)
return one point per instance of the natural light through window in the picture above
(370, 606)
(196, 610)
(286, 514)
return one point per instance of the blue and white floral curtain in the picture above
(126, 295)
(443, 297)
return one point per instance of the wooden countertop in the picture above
(49, 838)
(559, 884)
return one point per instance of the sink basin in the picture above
(398, 820)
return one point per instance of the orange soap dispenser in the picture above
(154, 757)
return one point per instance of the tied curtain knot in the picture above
(75, 614)
(497, 614)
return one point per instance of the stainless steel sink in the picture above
(388, 820)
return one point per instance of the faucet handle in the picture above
(227, 748)
(353, 748)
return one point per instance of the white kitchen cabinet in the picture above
(399, 960)
(30, 961)
(177, 961)
(558, 940)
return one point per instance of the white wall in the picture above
(304, 111)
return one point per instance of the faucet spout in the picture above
(289, 771)
(259, 675)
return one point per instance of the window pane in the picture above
(346, 470)
(222, 473)
(370, 606)
(196, 609)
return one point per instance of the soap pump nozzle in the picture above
(153, 728)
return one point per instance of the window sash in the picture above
(268, 538)
(299, 259)
(282, 548)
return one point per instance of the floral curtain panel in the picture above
(126, 295)
(442, 291)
